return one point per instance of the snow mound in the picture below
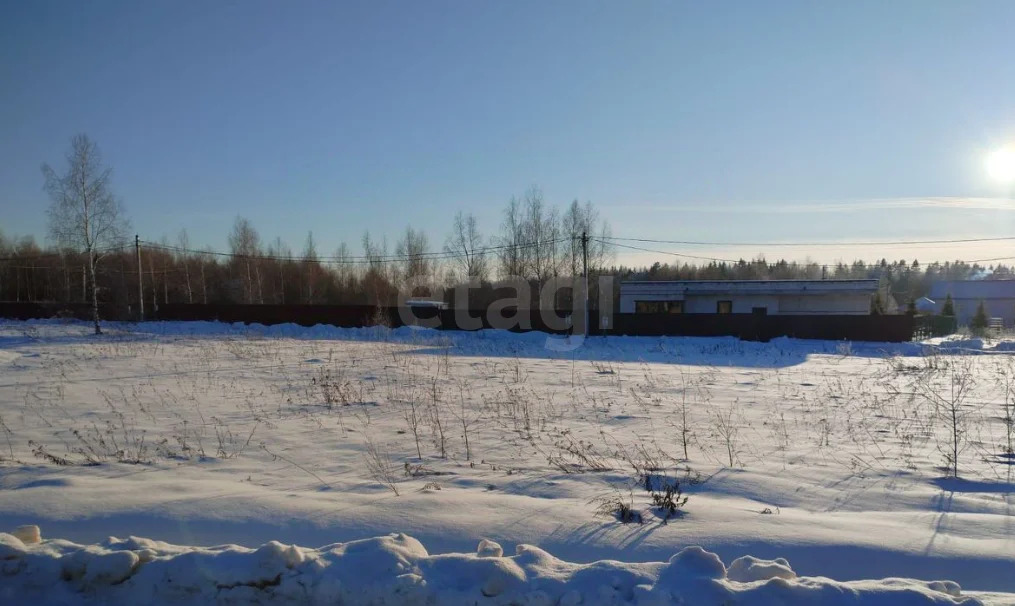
(397, 569)
(1005, 346)
(749, 569)
(28, 534)
(960, 345)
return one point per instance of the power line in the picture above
(991, 260)
(99, 251)
(663, 252)
(821, 265)
(362, 259)
(447, 255)
(774, 244)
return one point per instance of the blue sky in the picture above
(731, 121)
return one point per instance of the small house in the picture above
(775, 297)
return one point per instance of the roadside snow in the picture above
(397, 570)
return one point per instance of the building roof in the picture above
(973, 289)
(754, 287)
(925, 305)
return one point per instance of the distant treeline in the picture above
(252, 273)
(904, 280)
(536, 242)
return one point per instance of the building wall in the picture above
(775, 304)
(782, 304)
(965, 309)
(826, 304)
(742, 304)
(627, 301)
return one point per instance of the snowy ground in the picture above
(202, 434)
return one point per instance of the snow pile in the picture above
(396, 569)
(1005, 346)
(960, 345)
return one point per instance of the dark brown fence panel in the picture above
(891, 328)
(348, 316)
(888, 328)
(550, 321)
(555, 321)
(43, 310)
(934, 326)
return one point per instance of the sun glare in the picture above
(1001, 164)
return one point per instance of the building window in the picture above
(759, 311)
(659, 307)
(648, 307)
(724, 307)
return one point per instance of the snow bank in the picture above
(958, 346)
(492, 341)
(397, 569)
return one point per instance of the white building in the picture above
(776, 297)
(997, 296)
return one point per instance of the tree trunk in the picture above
(250, 285)
(204, 285)
(260, 290)
(95, 293)
(165, 280)
(155, 288)
(186, 273)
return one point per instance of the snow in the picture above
(207, 436)
(397, 569)
(748, 569)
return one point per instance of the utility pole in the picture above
(140, 282)
(585, 272)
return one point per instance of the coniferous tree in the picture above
(979, 321)
(948, 309)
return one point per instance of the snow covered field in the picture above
(833, 456)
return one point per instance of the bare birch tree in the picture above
(245, 244)
(465, 246)
(183, 243)
(510, 251)
(578, 220)
(344, 270)
(541, 229)
(84, 213)
(412, 253)
(376, 279)
(311, 269)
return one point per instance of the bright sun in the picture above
(1001, 164)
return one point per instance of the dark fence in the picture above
(926, 327)
(752, 327)
(305, 315)
(368, 315)
(892, 328)
(41, 310)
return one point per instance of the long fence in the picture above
(35, 310)
(889, 328)
(752, 327)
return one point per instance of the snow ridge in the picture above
(397, 569)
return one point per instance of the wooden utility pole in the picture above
(585, 272)
(140, 280)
